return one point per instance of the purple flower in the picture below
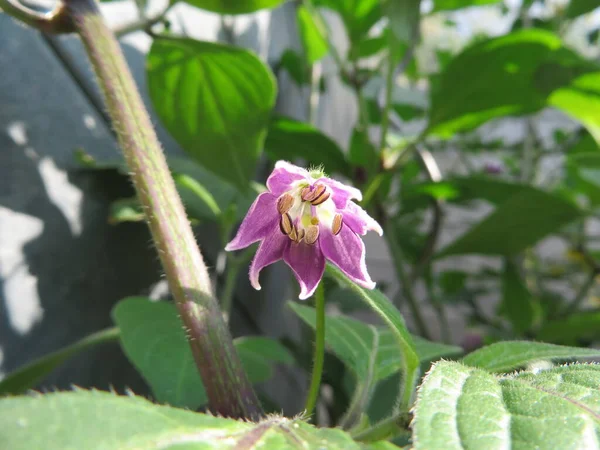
(305, 218)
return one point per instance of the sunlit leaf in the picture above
(460, 407)
(234, 6)
(314, 43)
(216, 101)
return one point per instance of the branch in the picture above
(227, 386)
(55, 21)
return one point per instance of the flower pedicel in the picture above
(305, 218)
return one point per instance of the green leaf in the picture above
(445, 5)
(517, 302)
(581, 100)
(367, 47)
(461, 408)
(314, 43)
(204, 204)
(362, 152)
(216, 101)
(516, 224)
(289, 139)
(353, 342)
(405, 18)
(380, 304)
(511, 355)
(358, 15)
(508, 75)
(153, 339)
(101, 420)
(258, 355)
(585, 325)
(293, 63)
(577, 8)
(28, 376)
(234, 6)
(125, 210)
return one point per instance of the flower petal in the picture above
(283, 176)
(269, 251)
(359, 220)
(258, 223)
(342, 194)
(308, 264)
(347, 251)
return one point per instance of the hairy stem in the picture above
(319, 355)
(227, 386)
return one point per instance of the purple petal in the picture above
(283, 176)
(347, 251)
(258, 223)
(359, 220)
(269, 251)
(342, 194)
(308, 264)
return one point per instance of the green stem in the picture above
(390, 427)
(406, 284)
(319, 355)
(28, 376)
(228, 388)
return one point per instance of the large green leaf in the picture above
(581, 100)
(355, 342)
(461, 408)
(314, 43)
(516, 224)
(233, 6)
(290, 139)
(509, 75)
(510, 355)
(517, 301)
(216, 100)
(154, 340)
(101, 420)
(28, 376)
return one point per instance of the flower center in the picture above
(303, 208)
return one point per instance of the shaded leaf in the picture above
(517, 302)
(290, 139)
(579, 7)
(509, 75)
(584, 325)
(353, 342)
(314, 43)
(459, 407)
(29, 375)
(216, 101)
(516, 224)
(404, 17)
(235, 6)
(511, 355)
(153, 339)
(102, 420)
(293, 63)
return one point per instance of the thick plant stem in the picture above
(229, 391)
(319, 356)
